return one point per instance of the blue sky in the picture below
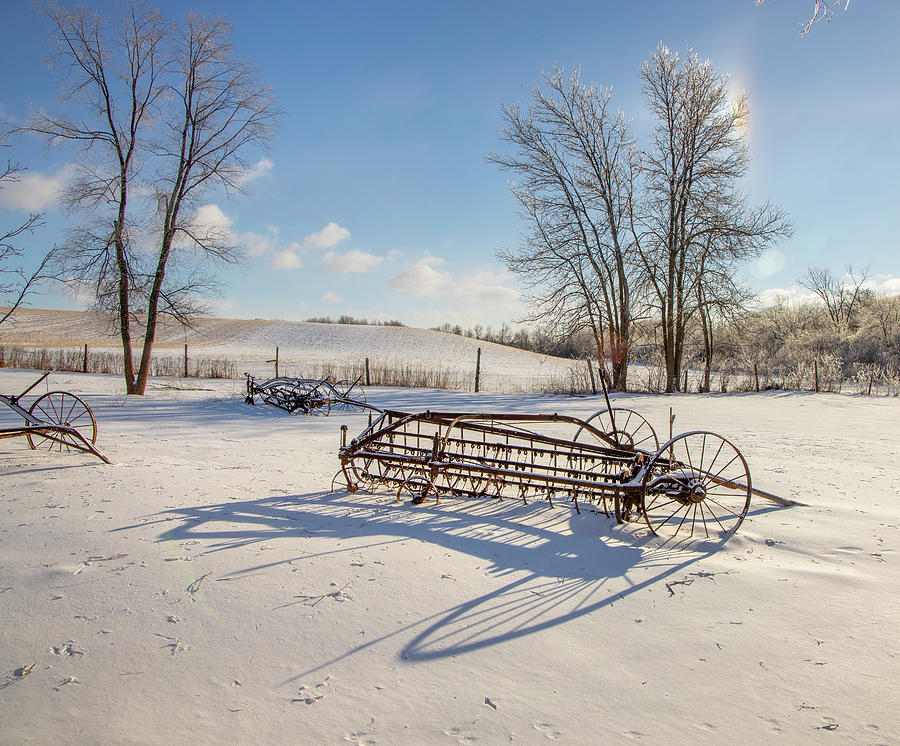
(374, 198)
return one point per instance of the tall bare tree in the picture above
(841, 296)
(112, 70)
(219, 108)
(693, 225)
(169, 102)
(575, 160)
(15, 281)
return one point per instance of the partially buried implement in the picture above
(307, 395)
(55, 421)
(696, 484)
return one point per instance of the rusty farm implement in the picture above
(695, 485)
(307, 395)
(55, 421)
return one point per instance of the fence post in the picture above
(368, 379)
(477, 370)
(816, 374)
(871, 381)
(685, 389)
(185, 361)
(84, 362)
(756, 376)
(276, 362)
(593, 380)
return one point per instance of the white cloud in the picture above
(882, 284)
(886, 284)
(212, 217)
(793, 294)
(330, 297)
(353, 262)
(486, 286)
(258, 244)
(263, 167)
(220, 307)
(425, 280)
(33, 191)
(422, 279)
(331, 235)
(208, 224)
(288, 258)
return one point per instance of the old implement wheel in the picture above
(626, 427)
(417, 487)
(696, 486)
(67, 410)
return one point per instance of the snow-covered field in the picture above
(303, 346)
(209, 586)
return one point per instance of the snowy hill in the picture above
(252, 342)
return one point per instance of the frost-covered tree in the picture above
(574, 161)
(162, 113)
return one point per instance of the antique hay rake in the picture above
(695, 484)
(307, 395)
(55, 421)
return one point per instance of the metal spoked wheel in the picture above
(631, 429)
(696, 486)
(61, 408)
(417, 487)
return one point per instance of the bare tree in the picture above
(113, 75)
(219, 108)
(174, 103)
(575, 160)
(840, 296)
(694, 225)
(15, 281)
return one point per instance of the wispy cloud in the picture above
(208, 225)
(331, 235)
(486, 286)
(331, 297)
(882, 284)
(887, 284)
(263, 167)
(33, 191)
(427, 279)
(352, 262)
(288, 258)
(423, 279)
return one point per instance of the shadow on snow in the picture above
(561, 565)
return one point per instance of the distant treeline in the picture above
(533, 340)
(345, 319)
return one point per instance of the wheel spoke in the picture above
(707, 485)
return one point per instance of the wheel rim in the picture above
(631, 430)
(696, 486)
(67, 410)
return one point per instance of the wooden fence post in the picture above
(477, 370)
(593, 380)
(84, 362)
(185, 361)
(276, 362)
(816, 373)
(685, 389)
(756, 376)
(368, 378)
